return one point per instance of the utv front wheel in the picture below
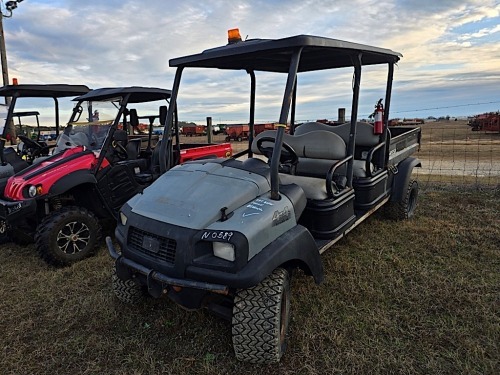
(4, 236)
(260, 319)
(128, 291)
(67, 236)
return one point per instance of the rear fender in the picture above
(402, 178)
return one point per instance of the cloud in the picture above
(118, 43)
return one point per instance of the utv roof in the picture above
(25, 114)
(43, 91)
(137, 94)
(273, 55)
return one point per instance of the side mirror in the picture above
(163, 114)
(133, 118)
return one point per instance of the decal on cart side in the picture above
(281, 216)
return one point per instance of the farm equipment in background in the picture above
(239, 132)
(489, 122)
(406, 121)
(259, 128)
(190, 130)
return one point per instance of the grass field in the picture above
(416, 297)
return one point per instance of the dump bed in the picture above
(194, 151)
(404, 142)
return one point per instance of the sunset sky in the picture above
(450, 64)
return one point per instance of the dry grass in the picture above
(418, 297)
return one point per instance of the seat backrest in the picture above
(133, 148)
(364, 132)
(315, 144)
(155, 157)
(317, 150)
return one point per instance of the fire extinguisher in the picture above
(378, 127)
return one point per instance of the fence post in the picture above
(341, 117)
(209, 129)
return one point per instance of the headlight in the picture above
(224, 250)
(32, 190)
(123, 218)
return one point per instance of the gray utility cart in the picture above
(233, 253)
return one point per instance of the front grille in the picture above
(164, 251)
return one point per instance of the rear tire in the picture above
(260, 319)
(67, 236)
(128, 291)
(405, 208)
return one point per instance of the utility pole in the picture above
(10, 6)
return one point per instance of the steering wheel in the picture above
(287, 156)
(30, 143)
(33, 148)
(120, 150)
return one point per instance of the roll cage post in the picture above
(285, 109)
(109, 137)
(165, 159)
(252, 111)
(384, 157)
(354, 116)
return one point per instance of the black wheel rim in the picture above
(73, 237)
(3, 227)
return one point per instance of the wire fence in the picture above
(451, 155)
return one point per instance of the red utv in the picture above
(100, 161)
(13, 160)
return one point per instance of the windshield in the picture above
(91, 129)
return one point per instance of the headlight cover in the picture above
(123, 218)
(32, 191)
(224, 250)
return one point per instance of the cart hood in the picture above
(192, 195)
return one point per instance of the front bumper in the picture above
(15, 212)
(153, 277)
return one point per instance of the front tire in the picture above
(128, 291)
(260, 319)
(4, 236)
(67, 236)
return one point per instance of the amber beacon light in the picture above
(233, 36)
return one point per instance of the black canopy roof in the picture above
(43, 91)
(273, 55)
(24, 114)
(138, 94)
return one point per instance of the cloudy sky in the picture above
(450, 64)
